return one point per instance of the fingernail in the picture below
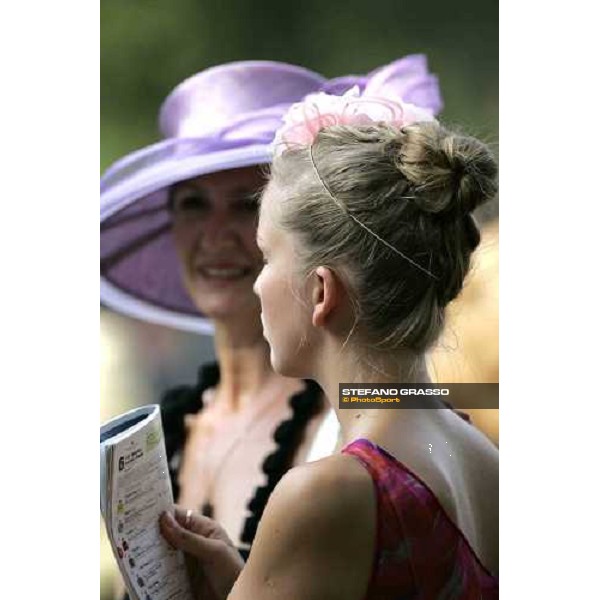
(168, 520)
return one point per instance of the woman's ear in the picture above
(326, 295)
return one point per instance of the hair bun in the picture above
(449, 172)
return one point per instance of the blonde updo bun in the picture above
(450, 173)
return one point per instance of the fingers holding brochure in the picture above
(206, 541)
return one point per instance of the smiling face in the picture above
(214, 229)
(282, 289)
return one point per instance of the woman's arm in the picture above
(316, 540)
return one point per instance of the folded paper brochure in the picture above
(134, 490)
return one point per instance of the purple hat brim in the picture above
(116, 299)
(139, 268)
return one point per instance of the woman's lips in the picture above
(222, 273)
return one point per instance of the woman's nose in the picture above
(218, 228)
(255, 287)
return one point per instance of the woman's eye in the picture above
(192, 203)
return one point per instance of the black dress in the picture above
(185, 400)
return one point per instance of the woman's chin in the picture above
(288, 368)
(219, 296)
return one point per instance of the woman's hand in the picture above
(216, 562)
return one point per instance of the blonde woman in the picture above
(366, 230)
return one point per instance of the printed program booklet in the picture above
(134, 490)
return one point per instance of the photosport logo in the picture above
(418, 395)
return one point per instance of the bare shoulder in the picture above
(481, 452)
(337, 481)
(304, 546)
(314, 503)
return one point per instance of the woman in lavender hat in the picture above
(178, 225)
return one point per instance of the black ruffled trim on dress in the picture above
(185, 400)
(175, 404)
(288, 436)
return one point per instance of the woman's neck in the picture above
(244, 365)
(369, 423)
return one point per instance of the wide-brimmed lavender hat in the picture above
(222, 118)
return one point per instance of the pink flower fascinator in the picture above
(317, 111)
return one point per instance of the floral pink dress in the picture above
(420, 553)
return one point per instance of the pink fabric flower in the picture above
(305, 119)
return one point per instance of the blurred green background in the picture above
(149, 46)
